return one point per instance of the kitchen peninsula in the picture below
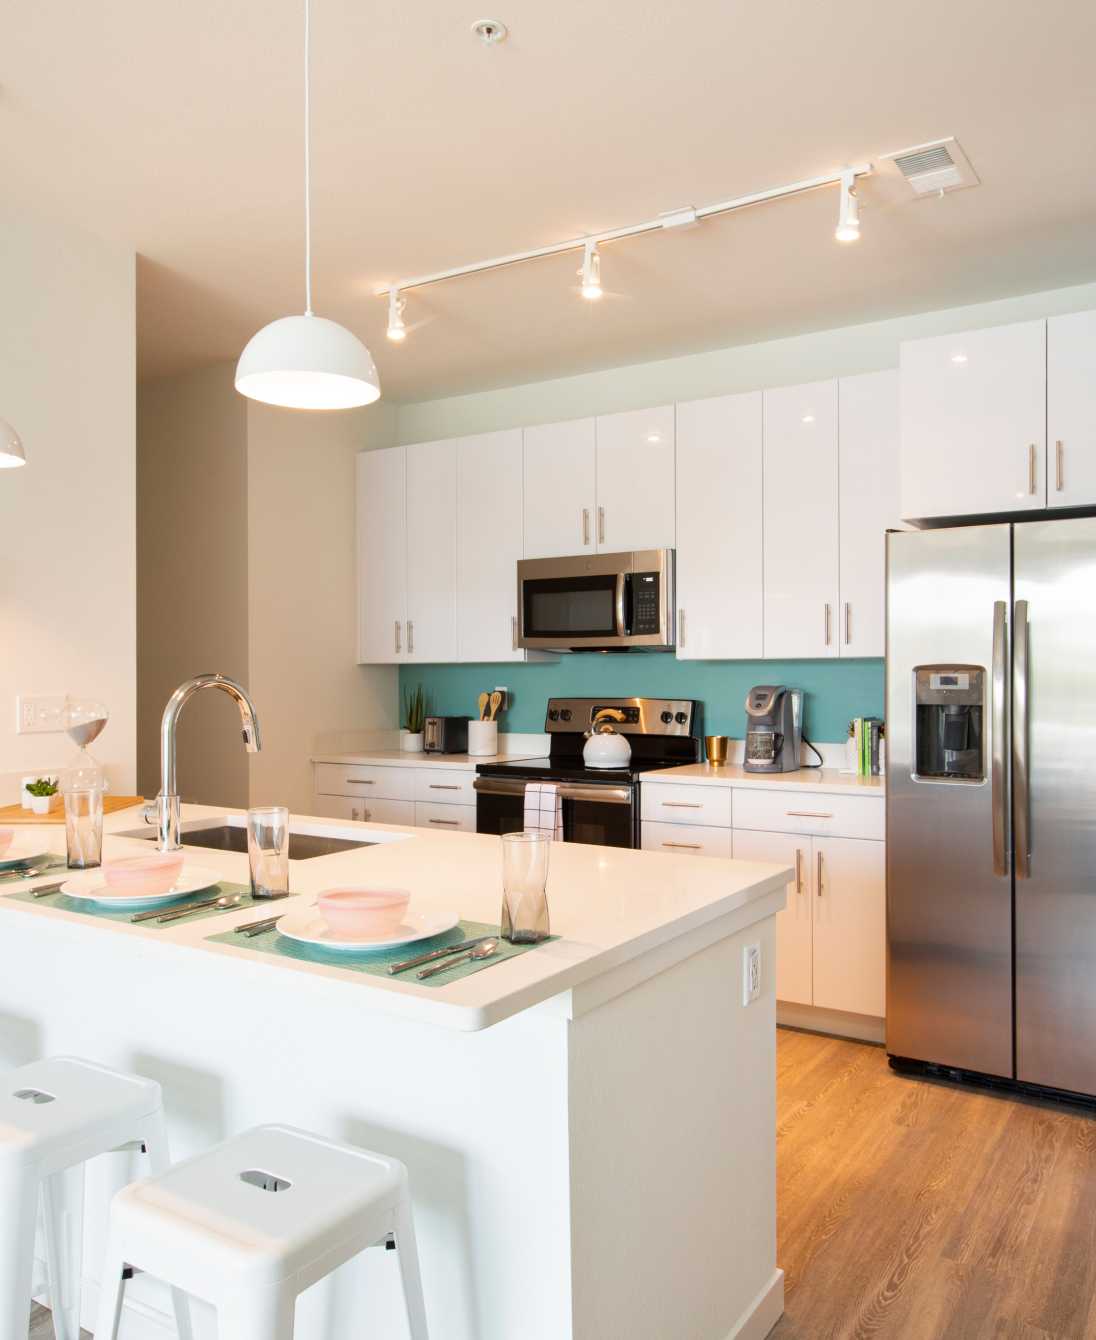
(589, 1127)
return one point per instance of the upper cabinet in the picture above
(973, 423)
(489, 544)
(801, 581)
(560, 489)
(382, 556)
(1071, 410)
(719, 549)
(867, 448)
(635, 480)
(431, 552)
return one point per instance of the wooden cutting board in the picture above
(16, 814)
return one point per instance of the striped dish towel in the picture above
(543, 809)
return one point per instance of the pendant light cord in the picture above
(307, 159)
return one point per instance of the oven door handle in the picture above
(602, 795)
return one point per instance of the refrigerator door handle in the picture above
(999, 728)
(1021, 789)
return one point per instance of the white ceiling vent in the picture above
(934, 168)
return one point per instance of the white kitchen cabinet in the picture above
(867, 449)
(1071, 410)
(801, 521)
(794, 955)
(369, 810)
(635, 480)
(685, 839)
(850, 932)
(431, 551)
(489, 545)
(560, 489)
(447, 818)
(719, 532)
(382, 556)
(973, 423)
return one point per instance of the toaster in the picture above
(445, 735)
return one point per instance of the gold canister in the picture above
(716, 746)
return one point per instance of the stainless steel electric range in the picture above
(600, 805)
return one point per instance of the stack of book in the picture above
(868, 734)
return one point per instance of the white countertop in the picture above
(397, 758)
(609, 906)
(822, 781)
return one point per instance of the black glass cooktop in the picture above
(571, 770)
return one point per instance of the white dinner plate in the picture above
(91, 887)
(15, 856)
(309, 927)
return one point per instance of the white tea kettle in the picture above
(604, 748)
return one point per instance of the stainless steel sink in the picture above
(228, 833)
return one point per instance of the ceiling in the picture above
(175, 128)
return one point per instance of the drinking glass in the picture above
(268, 850)
(524, 877)
(84, 827)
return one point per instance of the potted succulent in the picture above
(414, 719)
(44, 795)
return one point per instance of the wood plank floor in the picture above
(923, 1211)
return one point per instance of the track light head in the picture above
(848, 217)
(591, 272)
(397, 331)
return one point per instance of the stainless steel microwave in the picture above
(597, 602)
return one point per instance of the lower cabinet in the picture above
(370, 810)
(454, 818)
(427, 797)
(685, 839)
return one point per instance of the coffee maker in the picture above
(774, 728)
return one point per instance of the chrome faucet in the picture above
(167, 806)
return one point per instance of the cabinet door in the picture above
(382, 556)
(432, 551)
(559, 489)
(489, 544)
(801, 544)
(867, 449)
(1071, 410)
(719, 501)
(850, 925)
(974, 423)
(793, 924)
(635, 480)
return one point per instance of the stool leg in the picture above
(18, 1207)
(154, 1136)
(111, 1291)
(63, 1205)
(266, 1317)
(407, 1253)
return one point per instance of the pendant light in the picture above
(307, 362)
(11, 448)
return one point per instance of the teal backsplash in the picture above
(836, 691)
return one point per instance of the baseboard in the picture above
(860, 1027)
(763, 1313)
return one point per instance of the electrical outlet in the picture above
(39, 714)
(751, 973)
(505, 698)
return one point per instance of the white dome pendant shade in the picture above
(11, 448)
(307, 361)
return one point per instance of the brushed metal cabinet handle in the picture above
(680, 805)
(441, 786)
(585, 525)
(398, 647)
(809, 814)
(360, 781)
(601, 525)
(410, 638)
(1059, 451)
(448, 823)
(681, 628)
(798, 870)
(848, 623)
(1032, 469)
(686, 846)
(513, 632)
(829, 623)
(818, 874)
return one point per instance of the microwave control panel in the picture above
(645, 603)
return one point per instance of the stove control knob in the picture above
(553, 715)
(565, 714)
(666, 718)
(682, 718)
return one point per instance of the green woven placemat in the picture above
(66, 904)
(375, 962)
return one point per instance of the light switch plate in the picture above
(39, 714)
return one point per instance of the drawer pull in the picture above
(819, 875)
(688, 846)
(681, 804)
(798, 870)
(808, 814)
(442, 786)
(449, 823)
(360, 781)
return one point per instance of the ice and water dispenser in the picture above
(949, 723)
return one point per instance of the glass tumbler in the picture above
(268, 850)
(84, 827)
(524, 878)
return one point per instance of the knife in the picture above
(437, 953)
(41, 890)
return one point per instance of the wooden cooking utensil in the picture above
(496, 703)
(483, 701)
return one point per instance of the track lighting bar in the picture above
(675, 219)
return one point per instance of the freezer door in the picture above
(1055, 574)
(949, 883)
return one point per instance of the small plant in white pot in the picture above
(414, 720)
(44, 795)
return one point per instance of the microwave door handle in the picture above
(621, 627)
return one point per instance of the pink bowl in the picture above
(7, 835)
(374, 913)
(144, 875)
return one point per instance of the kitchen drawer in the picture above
(667, 802)
(365, 808)
(446, 818)
(802, 812)
(685, 839)
(442, 786)
(365, 779)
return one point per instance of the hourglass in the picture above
(83, 783)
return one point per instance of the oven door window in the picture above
(567, 607)
(601, 825)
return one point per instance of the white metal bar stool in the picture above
(254, 1222)
(54, 1116)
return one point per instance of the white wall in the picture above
(748, 367)
(67, 518)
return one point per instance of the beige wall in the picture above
(67, 529)
(192, 576)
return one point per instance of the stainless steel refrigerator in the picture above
(991, 800)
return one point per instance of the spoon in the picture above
(484, 950)
(230, 900)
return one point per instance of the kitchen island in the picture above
(589, 1127)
